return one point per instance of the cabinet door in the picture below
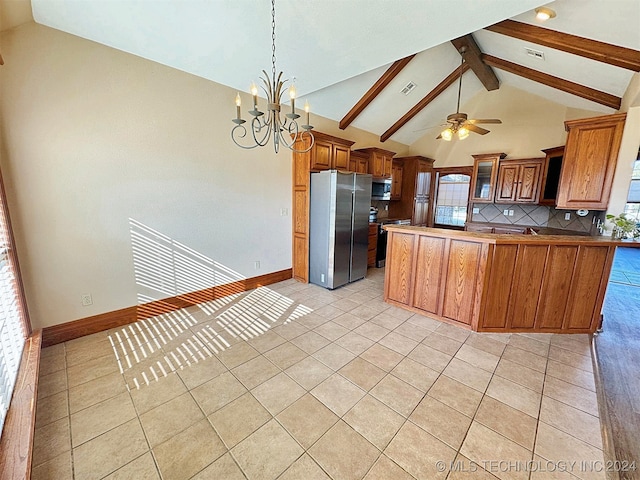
(507, 183)
(363, 166)
(387, 165)
(396, 182)
(589, 162)
(321, 154)
(399, 267)
(376, 165)
(529, 182)
(341, 157)
(483, 180)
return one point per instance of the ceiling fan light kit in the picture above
(263, 126)
(543, 13)
(459, 123)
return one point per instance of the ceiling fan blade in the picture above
(484, 120)
(476, 129)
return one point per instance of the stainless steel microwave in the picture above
(381, 189)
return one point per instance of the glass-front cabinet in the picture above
(483, 181)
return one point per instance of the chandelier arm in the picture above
(256, 127)
(242, 134)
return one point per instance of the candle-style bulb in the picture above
(307, 108)
(292, 92)
(254, 89)
(238, 100)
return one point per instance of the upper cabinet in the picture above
(483, 181)
(380, 161)
(330, 153)
(589, 162)
(519, 181)
(551, 175)
(359, 162)
(396, 180)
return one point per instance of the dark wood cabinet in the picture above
(519, 181)
(396, 180)
(484, 177)
(328, 152)
(380, 161)
(415, 190)
(551, 175)
(589, 162)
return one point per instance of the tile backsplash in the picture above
(535, 216)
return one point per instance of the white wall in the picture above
(91, 136)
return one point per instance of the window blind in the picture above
(13, 332)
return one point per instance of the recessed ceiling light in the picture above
(544, 13)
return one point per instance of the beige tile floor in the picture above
(293, 381)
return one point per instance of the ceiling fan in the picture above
(458, 123)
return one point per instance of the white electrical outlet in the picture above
(284, 212)
(256, 264)
(476, 210)
(506, 213)
(511, 213)
(86, 299)
(567, 216)
(322, 277)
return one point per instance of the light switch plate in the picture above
(506, 213)
(476, 210)
(567, 216)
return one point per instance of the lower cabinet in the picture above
(499, 285)
(372, 245)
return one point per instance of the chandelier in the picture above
(284, 131)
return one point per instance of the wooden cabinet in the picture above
(519, 181)
(373, 245)
(359, 162)
(499, 283)
(415, 190)
(483, 179)
(396, 180)
(380, 161)
(589, 162)
(328, 152)
(551, 175)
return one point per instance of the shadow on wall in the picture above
(173, 340)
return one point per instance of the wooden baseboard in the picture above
(105, 321)
(16, 444)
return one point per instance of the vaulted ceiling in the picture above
(338, 50)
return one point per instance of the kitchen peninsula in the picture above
(500, 283)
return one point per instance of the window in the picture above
(632, 209)
(14, 325)
(451, 198)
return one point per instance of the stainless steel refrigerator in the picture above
(338, 227)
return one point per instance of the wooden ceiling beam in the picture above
(374, 91)
(441, 87)
(472, 56)
(592, 94)
(603, 52)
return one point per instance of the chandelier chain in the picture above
(273, 39)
